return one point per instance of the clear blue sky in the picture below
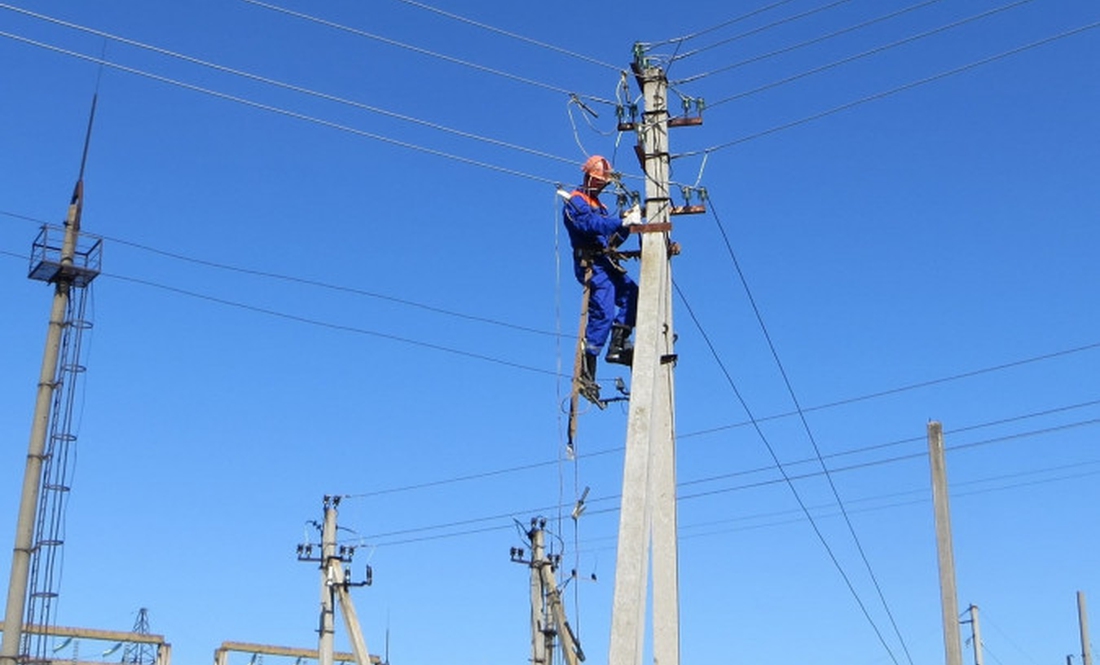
(906, 254)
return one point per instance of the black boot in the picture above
(588, 387)
(620, 351)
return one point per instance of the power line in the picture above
(319, 323)
(786, 478)
(281, 111)
(908, 387)
(307, 282)
(976, 492)
(892, 91)
(874, 51)
(809, 42)
(719, 26)
(890, 460)
(763, 28)
(499, 31)
(613, 509)
(806, 427)
(891, 444)
(459, 479)
(496, 472)
(423, 51)
(761, 469)
(289, 86)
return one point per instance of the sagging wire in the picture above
(737, 19)
(893, 91)
(768, 26)
(809, 42)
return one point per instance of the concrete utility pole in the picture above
(948, 596)
(647, 516)
(1083, 618)
(547, 610)
(976, 635)
(327, 631)
(335, 583)
(65, 272)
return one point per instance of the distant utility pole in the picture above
(1083, 619)
(948, 595)
(647, 518)
(335, 583)
(70, 267)
(976, 634)
(548, 622)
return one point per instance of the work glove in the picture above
(632, 216)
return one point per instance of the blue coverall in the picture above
(613, 295)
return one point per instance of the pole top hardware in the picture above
(48, 263)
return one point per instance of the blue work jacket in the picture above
(589, 224)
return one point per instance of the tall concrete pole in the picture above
(36, 451)
(949, 602)
(326, 639)
(1083, 618)
(539, 646)
(648, 470)
(976, 634)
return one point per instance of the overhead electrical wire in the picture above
(889, 460)
(289, 86)
(808, 42)
(906, 388)
(805, 428)
(309, 282)
(897, 504)
(786, 478)
(924, 491)
(424, 51)
(751, 471)
(747, 486)
(899, 442)
(719, 26)
(871, 52)
(892, 91)
(281, 111)
(601, 452)
(314, 322)
(763, 28)
(506, 33)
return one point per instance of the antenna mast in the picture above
(61, 257)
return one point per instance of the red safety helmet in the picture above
(598, 168)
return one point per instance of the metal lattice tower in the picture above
(140, 653)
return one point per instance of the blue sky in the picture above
(305, 296)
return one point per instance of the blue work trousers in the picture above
(612, 299)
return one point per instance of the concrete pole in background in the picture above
(1083, 618)
(976, 634)
(949, 601)
(325, 642)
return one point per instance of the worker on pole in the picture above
(595, 234)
